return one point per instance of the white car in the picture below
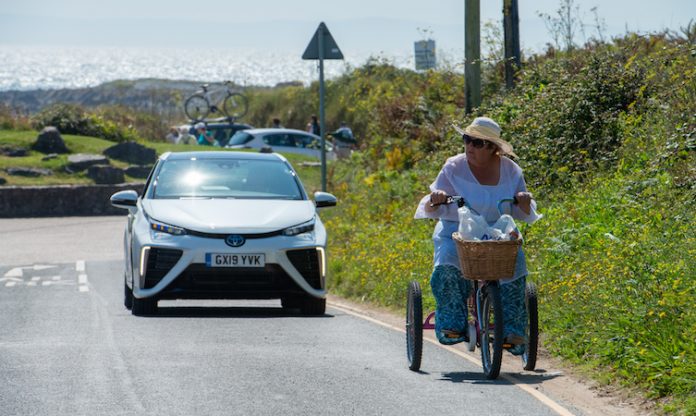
(224, 225)
(281, 141)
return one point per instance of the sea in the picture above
(31, 68)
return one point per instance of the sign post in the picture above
(322, 46)
(472, 54)
(511, 23)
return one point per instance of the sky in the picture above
(358, 26)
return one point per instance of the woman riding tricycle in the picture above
(483, 176)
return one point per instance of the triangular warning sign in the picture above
(329, 46)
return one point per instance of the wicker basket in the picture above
(487, 260)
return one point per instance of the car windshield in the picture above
(226, 178)
(240, 137)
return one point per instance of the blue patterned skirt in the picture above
(451, 291)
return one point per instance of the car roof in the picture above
(227, 125)
(281, 131)
(228, 154)
(223, 125)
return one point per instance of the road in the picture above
(68, 346)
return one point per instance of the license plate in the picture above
(234, 260)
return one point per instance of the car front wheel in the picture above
(313, 306)
(144, 307)
(127, 296)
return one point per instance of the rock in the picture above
(50, 141)
(13, 151)
(29, 172)
(82, 161)
(138, 171)
(49, 157)
(3, 181)
(105, 174)
(133, 153)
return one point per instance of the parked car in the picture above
(222, 132)
(281, 141)
(224, 225)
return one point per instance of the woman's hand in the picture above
(437, 197)
(524, 201)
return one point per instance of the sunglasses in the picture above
(477, 143)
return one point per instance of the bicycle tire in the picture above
(414, 326)
(235, 105)
(197, 107)
(491, 332)
(529, 357)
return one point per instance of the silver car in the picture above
(281, 141)
(224, 225)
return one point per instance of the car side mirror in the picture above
(124, 199)
(324, 199)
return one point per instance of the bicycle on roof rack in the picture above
(199, 105)
(483, 263)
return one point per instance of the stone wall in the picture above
(61, 200)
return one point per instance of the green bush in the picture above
(74, 119)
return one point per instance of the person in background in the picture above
(483, 175)
(185, 137)
(276, 123)
(173, 135)
(205, 138)
(344, 141)
(313, 126)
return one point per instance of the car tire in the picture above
(311, 306)
(144, 307)
(127, 296)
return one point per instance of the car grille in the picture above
(159, 262)
(306, 262)
(201, 282)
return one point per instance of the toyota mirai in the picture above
(224, 225)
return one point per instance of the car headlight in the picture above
(305, 227)
(161, 227)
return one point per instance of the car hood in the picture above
(230, 215)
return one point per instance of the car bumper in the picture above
(174, 267)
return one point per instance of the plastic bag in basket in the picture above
(474, 227)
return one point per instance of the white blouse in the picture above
(456, 178)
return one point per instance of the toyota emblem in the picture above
(235, 240)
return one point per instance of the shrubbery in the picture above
(114, 123)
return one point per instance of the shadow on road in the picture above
(228, 312)
(536, 377)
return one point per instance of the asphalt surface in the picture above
(68, 346)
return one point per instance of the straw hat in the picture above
(487, 129)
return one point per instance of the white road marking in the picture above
(41, 266)
(16, 272)
(54, 278)
(36, 278)
(82, 281)
(46, 283)
(80, 265)
(527, 388)
(31, 283)
(10, 284)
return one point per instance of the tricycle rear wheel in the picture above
(530, 352)
(414, 326)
